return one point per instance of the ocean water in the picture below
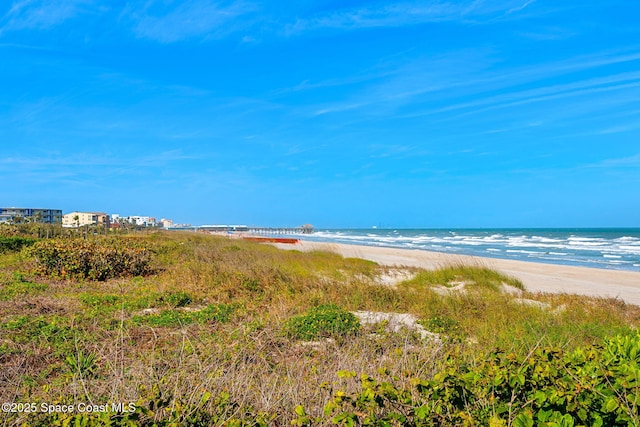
(617, 249)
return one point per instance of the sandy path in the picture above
(536, 277)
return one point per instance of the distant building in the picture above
(141, 221)
(166, 223)
(80, 219)
(47, 216)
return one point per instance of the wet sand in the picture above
(536, 277)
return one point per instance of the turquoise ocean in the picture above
(609, 248)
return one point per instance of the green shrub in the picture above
(444, 325)
(327, 320)
(15, 244)
(219, 313)
(178, 299)
(596, 386)
(95, 259)
(440, 324)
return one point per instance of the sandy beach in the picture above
(536, 277)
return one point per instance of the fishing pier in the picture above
(265, 231)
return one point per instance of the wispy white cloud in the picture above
(189, 19)
(53, 159)
(519, 7)
(619, 129)
(389, 86)
(338, 108)
(397, 151)
(350, 80)
(171, 21)
(49, 165)
(470, 83)
(409, 13)
(548, 33)
(591, 61)
(545, 93)
(41, 14)
(632, 161)
(389, 15)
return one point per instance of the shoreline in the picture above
(535, 276)
(614, 248)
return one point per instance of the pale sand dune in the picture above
(536, 277)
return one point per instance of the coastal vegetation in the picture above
(168, 329)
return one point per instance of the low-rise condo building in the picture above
(80, 219)
(47, 216)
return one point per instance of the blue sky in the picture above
(504, 113)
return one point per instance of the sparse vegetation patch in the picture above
(173, 318)
(323, 321)
(471, 276)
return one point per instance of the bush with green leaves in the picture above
(327, 320)
(15, 243)
(597, 386)
(95, 259)
(445, 326)
(178, 299)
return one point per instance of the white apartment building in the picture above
(142, 221)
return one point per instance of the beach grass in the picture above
(221, 329)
